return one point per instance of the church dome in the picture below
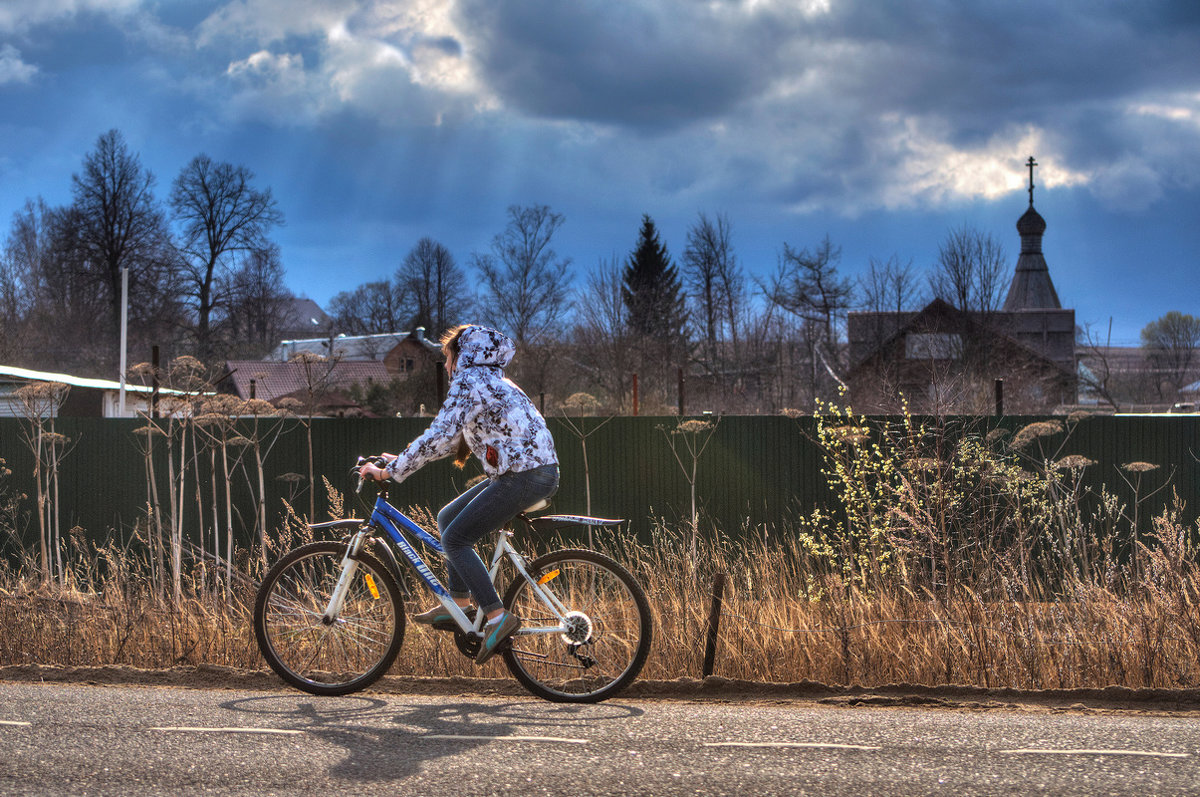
(1031, 287)
(1031, 223)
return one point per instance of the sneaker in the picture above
(495, 635)
(440, 618)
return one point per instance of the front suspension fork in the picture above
(349, 568)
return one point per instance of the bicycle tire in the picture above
(619, 629)
(346, 656)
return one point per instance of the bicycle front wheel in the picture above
(328, 658)
(599, 643)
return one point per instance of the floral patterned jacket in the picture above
(495, 417)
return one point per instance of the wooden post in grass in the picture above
(714, 620)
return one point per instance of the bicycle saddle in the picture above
(538, 507)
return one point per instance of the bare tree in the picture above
(602, 309)
(807, 285)
(222, 219)
(601, 333)
(24, 267)
(970, 270)
(53, 306)
(732, 281)
(524, 279)
(115, 223)
(715, 284)
(1170, 344)
(887, 290)
(24, 256)
(435, 285)
(889, 287)
(1096, 371)
(775, 346)
(373, 308)
(258, 300)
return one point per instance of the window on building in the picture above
(932, 346)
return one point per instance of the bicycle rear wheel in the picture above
(608, 628)
(337, 658)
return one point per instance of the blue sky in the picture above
(881, 125)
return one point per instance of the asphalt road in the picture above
(85, 739)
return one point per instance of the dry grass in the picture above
(780, 624)
(958, 558)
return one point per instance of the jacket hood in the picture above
(483, 346)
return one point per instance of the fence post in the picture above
(681, 409)
(844, 633)
(714, 620)
(154, 381)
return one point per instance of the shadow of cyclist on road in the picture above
(388, 740)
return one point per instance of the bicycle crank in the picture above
(467, 644)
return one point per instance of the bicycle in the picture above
(329, 615)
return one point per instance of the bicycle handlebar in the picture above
(375, 460)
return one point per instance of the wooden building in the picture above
(942, 359)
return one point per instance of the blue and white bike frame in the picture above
(393, 521)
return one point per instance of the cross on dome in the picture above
(1031, 163)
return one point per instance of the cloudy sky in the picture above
(883, 125)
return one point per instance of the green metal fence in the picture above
(756, 470)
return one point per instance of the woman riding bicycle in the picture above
(487, 415)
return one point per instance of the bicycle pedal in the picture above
(450, 625)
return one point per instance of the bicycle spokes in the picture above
(324, 651)
(598, 640)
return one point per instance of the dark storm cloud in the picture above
(977, 66)
(985, 64)
(655, 66)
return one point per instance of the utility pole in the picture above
(124, 336)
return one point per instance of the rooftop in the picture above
(274, 380)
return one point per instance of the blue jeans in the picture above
(484, 508)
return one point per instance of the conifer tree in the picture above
(652, 290)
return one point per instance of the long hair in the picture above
(450, 343)
(450, 349)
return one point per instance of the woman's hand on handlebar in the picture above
(372, 468)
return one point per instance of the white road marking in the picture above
(185, 729)
(16, 723)
(458, 737)
(818, 745)
(1052, 751)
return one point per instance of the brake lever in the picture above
(357, 471)
(377, 461)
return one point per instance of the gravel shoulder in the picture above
(1112, 699)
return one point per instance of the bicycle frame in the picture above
(394, 523)
(584, 625)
